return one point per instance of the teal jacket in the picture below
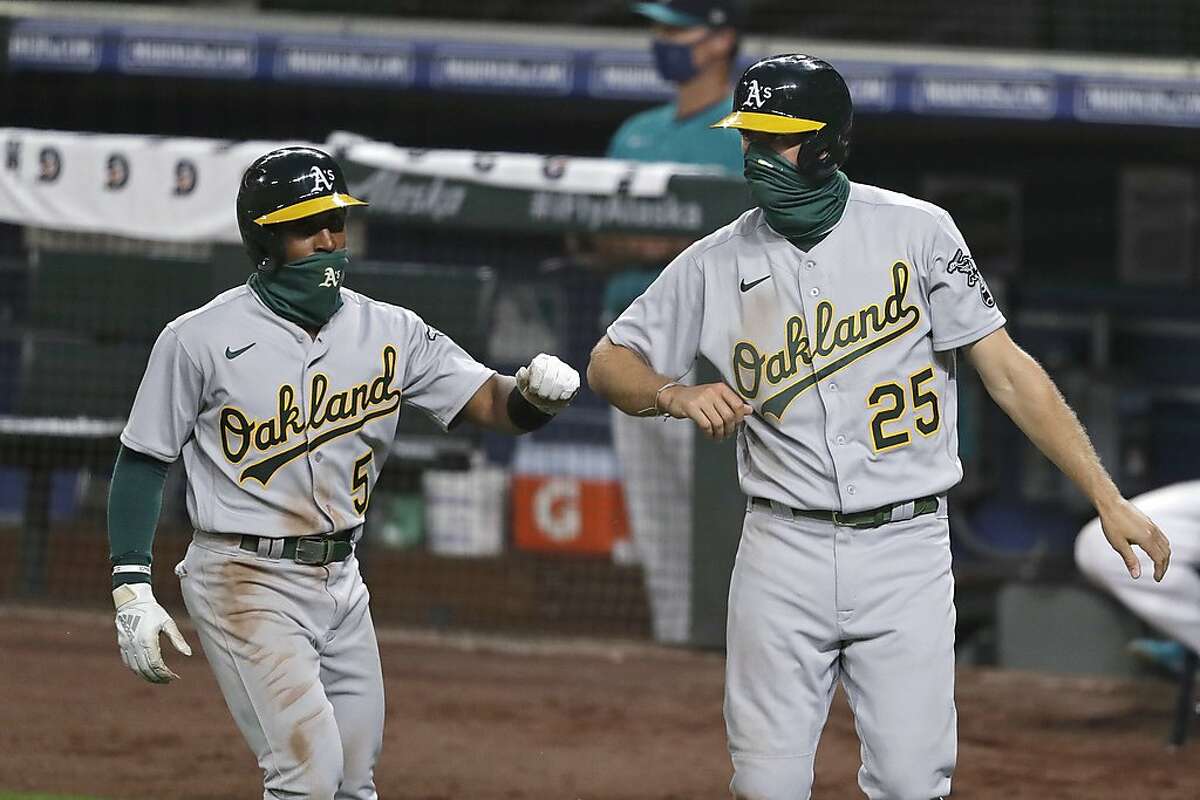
(656, 135)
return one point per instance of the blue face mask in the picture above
(674, 61)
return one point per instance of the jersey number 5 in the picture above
(358, 481)
(892, 402)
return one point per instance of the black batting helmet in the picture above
(283, 186)
(797, 94)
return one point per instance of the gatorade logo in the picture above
(757, 96)
(556, 509)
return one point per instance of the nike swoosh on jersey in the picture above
(232, 354)
(748, 286)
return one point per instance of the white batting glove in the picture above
(140, 619)
(548, 383)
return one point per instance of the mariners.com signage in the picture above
(878, 87)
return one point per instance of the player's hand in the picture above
(1124, 526)
(548, 383)
(140, 619)
(714, 407)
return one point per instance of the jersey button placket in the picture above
(313, 458)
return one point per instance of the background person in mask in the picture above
(835, 312)
(695, 45)
(283, 397)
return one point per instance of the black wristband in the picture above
(524, 414)
(130, 569)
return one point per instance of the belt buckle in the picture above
(846, 521)
(313, 551)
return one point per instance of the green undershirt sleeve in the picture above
(134, 503)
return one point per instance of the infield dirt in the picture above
(502, 720)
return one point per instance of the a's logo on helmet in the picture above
(756, 96)
(322, 179)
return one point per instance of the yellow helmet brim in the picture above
(310, 207)
(767, 123)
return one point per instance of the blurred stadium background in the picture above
(1061, 134)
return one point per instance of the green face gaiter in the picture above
(800, 211)
(304, 291)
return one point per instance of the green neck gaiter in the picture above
(801, 212)
(305, 292)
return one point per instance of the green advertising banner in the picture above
(686, 204)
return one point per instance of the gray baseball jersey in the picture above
(281, 434)
(284, 435)
(845, 352)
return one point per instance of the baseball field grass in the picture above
(23, 796)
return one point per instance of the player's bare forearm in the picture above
(1027, 394)
(524, 402)
(487, 408)
(621, 377)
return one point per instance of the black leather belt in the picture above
(310, 550)
(857, 519)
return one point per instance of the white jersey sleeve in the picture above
(962, 309)
(663, 325)
(168, 400)
(440, 376)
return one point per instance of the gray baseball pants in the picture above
(811, 603)
(294, 652)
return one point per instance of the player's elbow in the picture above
(1003, 367)
(597, 368)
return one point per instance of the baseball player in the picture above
(1173, 606)
(283, 396)
(834, 311)
(695, 42)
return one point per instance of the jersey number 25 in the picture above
(893, 403)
